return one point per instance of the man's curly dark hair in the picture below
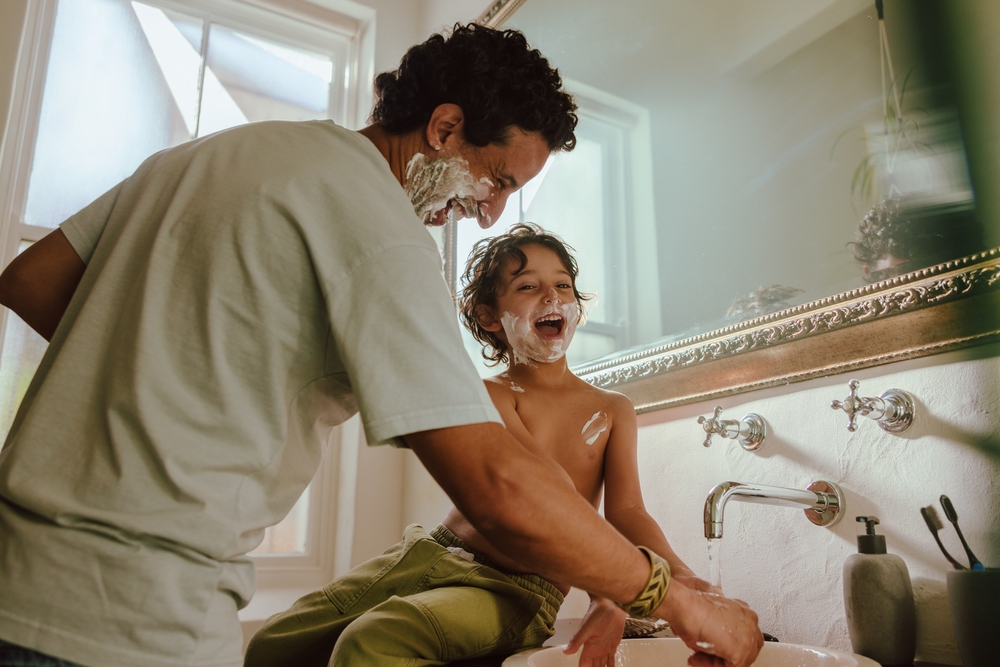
(484, 279)
(493, 75)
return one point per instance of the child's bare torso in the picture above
(570, 425)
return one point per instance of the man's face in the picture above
(537, 308)
(497, 172)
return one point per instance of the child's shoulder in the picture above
(610, 396)
(617, 405)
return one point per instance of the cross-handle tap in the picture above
(750, 430)
(822, 501)
(893, 410)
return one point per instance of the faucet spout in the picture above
(822, 502)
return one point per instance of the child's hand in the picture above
(599, 634)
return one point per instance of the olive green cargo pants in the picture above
(416, 604)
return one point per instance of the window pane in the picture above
(253, 79)
(107, 103)
(22, 351)
(289, 536)
(569, 201)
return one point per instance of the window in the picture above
(590, 198)
(103, 84)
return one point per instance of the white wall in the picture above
(402, 23)
(789, 570)
(438, 15)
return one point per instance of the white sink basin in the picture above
(665, 652)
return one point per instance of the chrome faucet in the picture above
(751, 430)
(822, 501)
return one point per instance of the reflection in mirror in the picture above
(738, 159)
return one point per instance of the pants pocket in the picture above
(485, 614)
(398, 571)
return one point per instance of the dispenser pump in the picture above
(870, 543)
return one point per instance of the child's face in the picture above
(537, 312)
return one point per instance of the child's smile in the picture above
(550, 325)
(538, 309)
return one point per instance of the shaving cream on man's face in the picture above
(543, 335)
(443, 185)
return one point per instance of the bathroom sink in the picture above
(665, 652)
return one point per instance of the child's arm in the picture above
(599, 633)
(623, 505)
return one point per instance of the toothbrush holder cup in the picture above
(973, 596)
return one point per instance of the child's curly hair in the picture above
(484, 279)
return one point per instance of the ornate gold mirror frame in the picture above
(934, 310)
(938, 309)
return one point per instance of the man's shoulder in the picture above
(278, 151)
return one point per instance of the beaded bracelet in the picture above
(656, 589)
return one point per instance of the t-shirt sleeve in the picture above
(397, 333)
(84, 228)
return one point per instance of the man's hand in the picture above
(720, 630)
(697, 583)
(599, 634)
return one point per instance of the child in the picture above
(452, 595)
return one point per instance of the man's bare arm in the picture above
(535, 516)
(39, 283)
(529, 511)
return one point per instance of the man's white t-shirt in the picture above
(244, 294)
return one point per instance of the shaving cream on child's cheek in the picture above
(527, 345)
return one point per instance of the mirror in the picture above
(762, 178)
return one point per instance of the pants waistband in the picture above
(552, 598)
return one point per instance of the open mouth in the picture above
(441, 217)
(453, 210)
(550, 325)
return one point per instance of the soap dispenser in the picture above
(878, 599)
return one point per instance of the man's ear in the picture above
(487, 319)
(446, 128)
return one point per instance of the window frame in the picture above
(344, 29)
(630, 217)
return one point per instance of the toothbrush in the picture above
(949, 511)
(934, 525)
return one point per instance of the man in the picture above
(214, 315)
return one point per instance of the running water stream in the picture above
(714, 566)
